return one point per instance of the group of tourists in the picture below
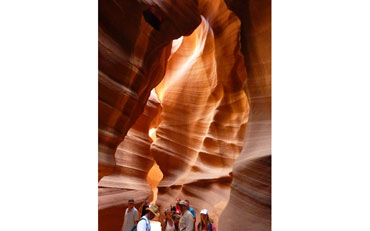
(180, 217)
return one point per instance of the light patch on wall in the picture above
(152, 134)
(175, 45)
(190, 49)
(153, 178)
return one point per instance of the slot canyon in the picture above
(185, 109)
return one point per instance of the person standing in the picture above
(192, 212)
(205, 224)
(178, 210)
(169, 223)
(186, 220)
(131, 216)
(144, 224)
(173, 210)
(175, 217)
(143, 210)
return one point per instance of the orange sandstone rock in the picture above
(199, 109)
(251, 187)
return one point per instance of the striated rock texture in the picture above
(132, 61)
(205, 112)
(190, 52)
(133, 162)
(251, 187)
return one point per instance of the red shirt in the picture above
(178, 210)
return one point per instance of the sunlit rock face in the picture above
(195, 123)
(132, 60)
(205, 112)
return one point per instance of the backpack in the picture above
(135, 226)
(209, 227)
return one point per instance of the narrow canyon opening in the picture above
(153, 178)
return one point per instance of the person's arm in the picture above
(136, 219)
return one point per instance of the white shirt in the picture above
(169, 227)
(130, 218)
(141, 226)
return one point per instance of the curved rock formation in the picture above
(133, 162)
(132, 61)
(190, 52)
(251, 187)
(205, 111)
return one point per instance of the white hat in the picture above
(204, 211)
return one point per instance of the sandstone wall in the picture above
(205, 112)
(251, 187)
(199, 108)
(132, 61)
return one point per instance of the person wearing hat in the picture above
(186, 221)
(144, 224)
(131, 216)
(205, 224)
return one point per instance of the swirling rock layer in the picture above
(251, 187)
(190, 52)
(133, 162)
(205, 112)
(132, 61)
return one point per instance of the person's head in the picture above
(204, 216)
(178, 201)
(131, 203)
(173, 210)
(187, 203)
(183, 206)
(153, 211)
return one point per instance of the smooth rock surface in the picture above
(251, 186)
(132, 61)
(205, 113)
(129, 177)
(211, 141)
